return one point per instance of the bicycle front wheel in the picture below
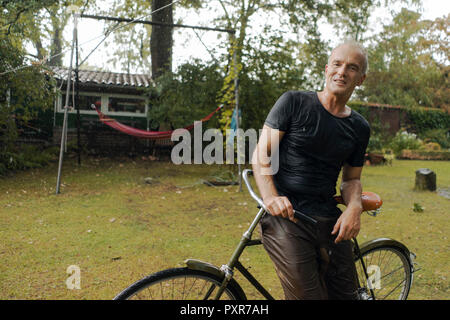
(180, 284)
(389, 275)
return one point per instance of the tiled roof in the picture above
(107, 78)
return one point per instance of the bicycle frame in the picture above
(247, 241)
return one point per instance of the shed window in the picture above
(132, 105)
(85, 102)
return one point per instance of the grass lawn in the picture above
(117, 228)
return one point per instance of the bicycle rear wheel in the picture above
(389, 273)
(180, 284)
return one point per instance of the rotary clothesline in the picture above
(153, 135)
(113, 123)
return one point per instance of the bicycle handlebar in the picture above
(297, 214)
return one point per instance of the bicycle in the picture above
(385, 267)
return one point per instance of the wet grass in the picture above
(117, 228)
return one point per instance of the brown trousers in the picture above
(307, 261)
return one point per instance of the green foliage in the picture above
(188, 95)
(379, 134)
(425, 120)
(376, 143)
(269, 69)
(26, 157)
(404, 140)
(407, 63)
(431, 125)
(417, 207)
(440, 136)
(24, 92)
(360, 107)
(13, 10)
(39, 23)
(228, 91)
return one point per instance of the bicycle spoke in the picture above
(150, 291)
(392, 281)
(184, 287)
(393, 289)
(173, 287)
(392, 272)
(201, 290)
(195, 280)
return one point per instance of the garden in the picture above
(123, 210)
(119, 220)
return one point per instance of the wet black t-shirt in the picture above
(315, 146)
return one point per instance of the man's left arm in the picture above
(349, 223)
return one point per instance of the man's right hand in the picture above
(268, 143)
(280, 206)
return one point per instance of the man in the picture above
(315, 135)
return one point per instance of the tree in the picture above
(13, 10)
(299, 18)
(161, 41)
(24, 89)
(131, 50)
(44, 27)
(408, 63)
(185, 96)
(291, 55)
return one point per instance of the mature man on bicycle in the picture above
(315, 135)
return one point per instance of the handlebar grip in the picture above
(297, 214)
(304, 217)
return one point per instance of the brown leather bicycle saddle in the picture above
(370, 200)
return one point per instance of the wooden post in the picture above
(425, 180)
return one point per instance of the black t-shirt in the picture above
(315, 146)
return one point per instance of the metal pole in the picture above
(64, 129)
(236, 96)
(77, 100)
(161, 24)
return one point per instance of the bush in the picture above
(183, 97)
(428, 119)
(379, 136)
(440, 136)
(404, 140)
(431, 146)
(26, 157)
(375, 143)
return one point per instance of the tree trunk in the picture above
(56, 44)
(56, 48)
(39, 48)
(161, 41)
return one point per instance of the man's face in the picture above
(344, 70)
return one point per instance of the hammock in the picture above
(143, 133)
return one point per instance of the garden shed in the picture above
(121, 96)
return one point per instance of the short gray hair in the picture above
(358, 46)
